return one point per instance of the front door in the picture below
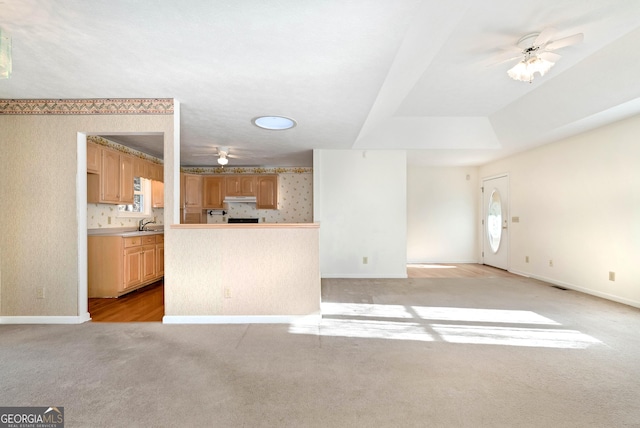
(495, 207)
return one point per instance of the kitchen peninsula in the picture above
(255, 272)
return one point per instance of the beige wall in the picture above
(38, 176)
(216, 270)
(578, 203)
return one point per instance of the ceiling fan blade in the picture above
(204, 154)
(510, 55)
(544, 36)
(564, 42)
(550, 56)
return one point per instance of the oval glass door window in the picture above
(494, 221)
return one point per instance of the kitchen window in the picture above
(141, 206)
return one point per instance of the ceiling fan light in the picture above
(520, 72)
(223, 161)
(524, 70)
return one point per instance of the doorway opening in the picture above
(125, 266)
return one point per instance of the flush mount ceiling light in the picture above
(5, 55)
(535, 53)
(274, 123)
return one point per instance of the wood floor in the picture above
(147, 304)
(143, 305)
(446, 270)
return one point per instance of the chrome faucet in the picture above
(142, 224)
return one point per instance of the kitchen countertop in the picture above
(123, 231)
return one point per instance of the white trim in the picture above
(457, 262)
(81, 216)
(45, 319)
(240, 319)
(364, 276)
(606, 296)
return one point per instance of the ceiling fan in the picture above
(535, 52)
(221, 152)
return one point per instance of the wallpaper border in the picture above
(123, 149)
(87, 106)
(246, 170)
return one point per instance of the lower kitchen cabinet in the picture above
(118, 265)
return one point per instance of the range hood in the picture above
(239, 200)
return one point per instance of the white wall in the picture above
(360, 201)
(442, 214)
(579, 205)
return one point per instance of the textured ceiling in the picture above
(402, 74)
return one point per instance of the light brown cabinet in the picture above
(199, 193)
(118, 265)
(267, 192)
(114, 182)
(192, 191)
(240, 185)
(94, 152)
(126, 179)
(213, 187)
(157, 194)
(191, 195)
(156, 172)
(147, 169)
(160, 255)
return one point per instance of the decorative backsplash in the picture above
(102, 216)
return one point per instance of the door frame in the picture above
(483, 215)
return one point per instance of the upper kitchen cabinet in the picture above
(267, 192)
(114, 182)
(192, 191)
(94, 153)
(157, 172)
(213, 186)
(240, 185)
(146, 169)
(157, 194)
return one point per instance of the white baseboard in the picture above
(241, 319)
(45, 319)
(440, 262)
(367, 276)
(574, 287)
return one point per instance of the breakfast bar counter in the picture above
(241, 273)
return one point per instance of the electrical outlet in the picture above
(550, 263)
(108, 220)
(612, 276)
(365, 260)
(227, 293)
(40, 292)
(526, 259)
